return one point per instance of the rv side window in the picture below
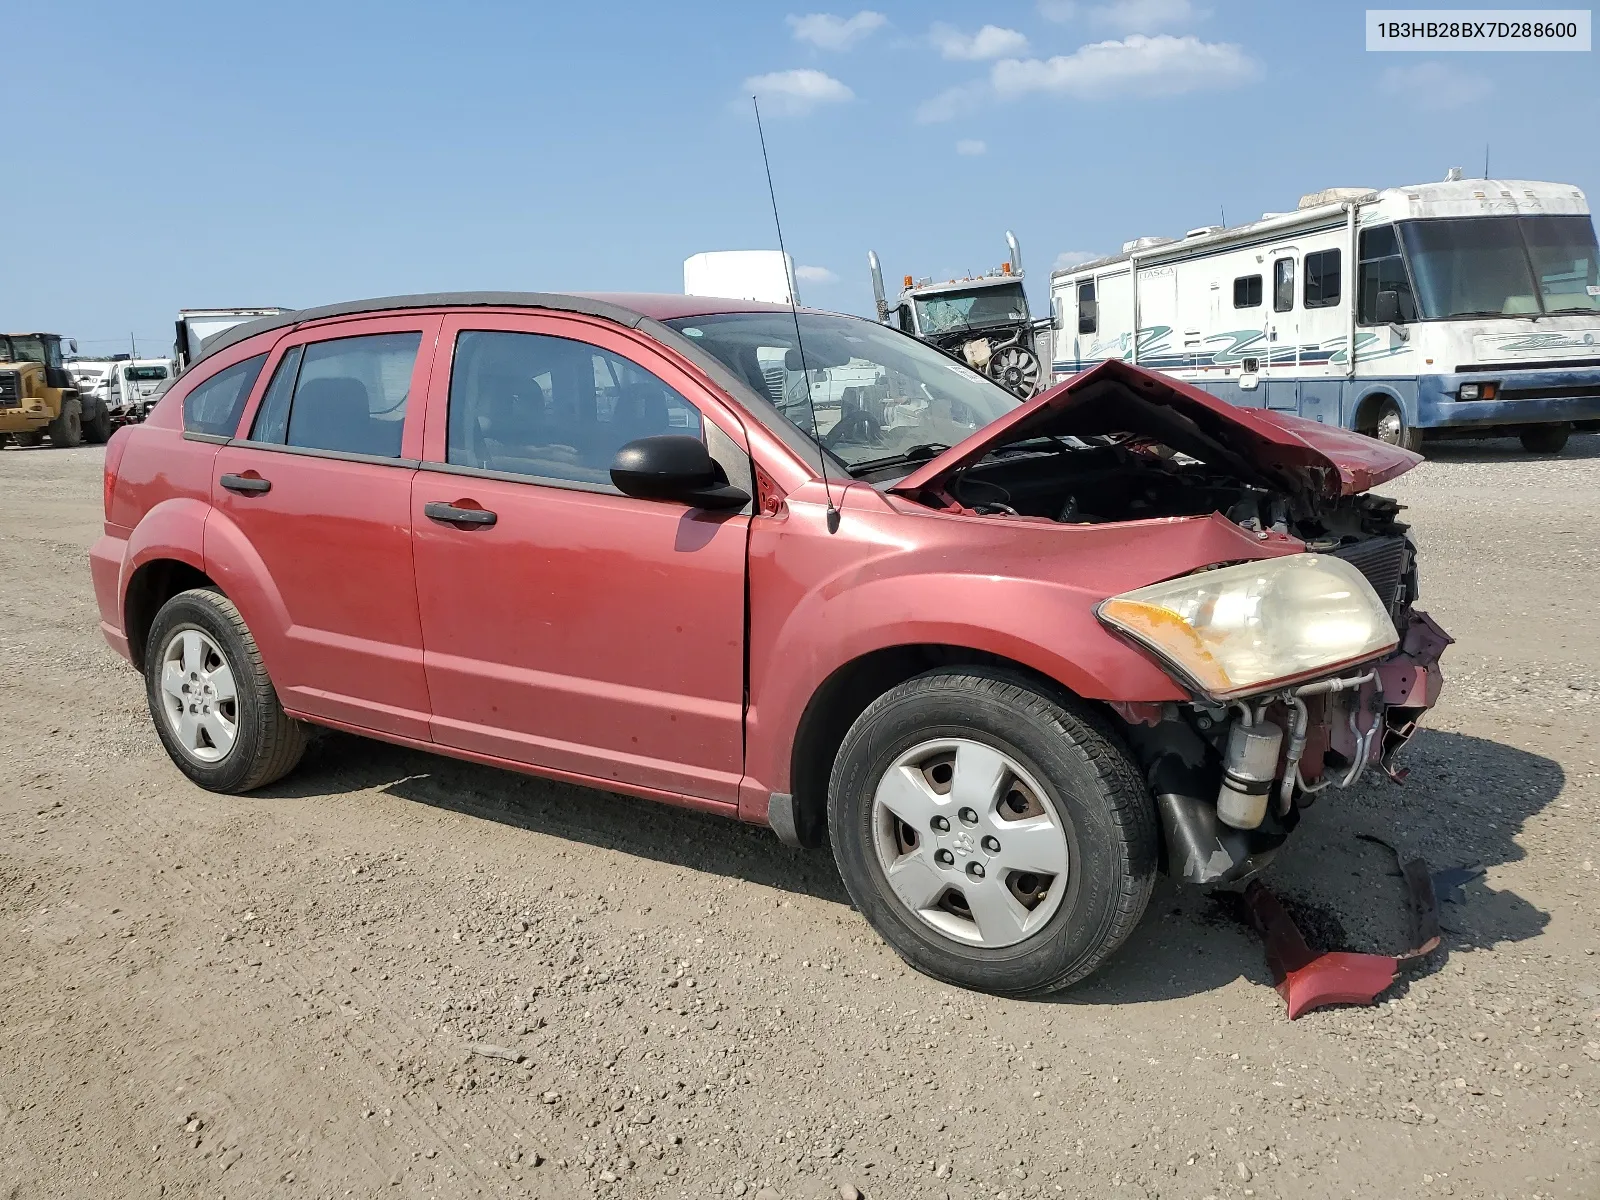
(1382, 270)
(1322, 279)
(1247, 291)
(1283, 285)
(1088, 312)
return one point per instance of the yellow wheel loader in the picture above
(37, 396)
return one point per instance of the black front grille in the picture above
(10, 389)
(1562, 392)
(1384, 561)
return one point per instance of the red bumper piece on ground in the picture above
(1307, 979)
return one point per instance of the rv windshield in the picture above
(1503, 266)
(880, 396)
(950, 312)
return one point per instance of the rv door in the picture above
(1280, 360)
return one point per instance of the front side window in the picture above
(552, 407)
(1322, 279)
(346, 395)
(214, 407)
(880, 398)
(1247, 291)
(1382, 269)
(1283, 285)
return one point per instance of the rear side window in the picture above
(215, 405)
(347, 395)
(1247, 291)
(1322, 279)
(552, 407)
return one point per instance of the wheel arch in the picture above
(846, 693)
(1365, 414)
(151, 585)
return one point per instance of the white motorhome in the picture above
(195, 325)
(1473, 306)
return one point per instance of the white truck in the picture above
(982, 320)
(195, 325)
(1472, 307)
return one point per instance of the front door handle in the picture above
(450, 514)
(246, 485)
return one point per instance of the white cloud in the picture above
(1434, 87)
(971, 147)
(952, 103)
(1057, 10)
(815, 275)
(828, 32)
(1155, 66)
(989, 42)
(1145, 16)
(795, 93)
(1068, 259)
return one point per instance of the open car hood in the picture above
(1273, 449)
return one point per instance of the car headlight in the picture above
(1251, 627)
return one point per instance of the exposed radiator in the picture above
(1384, 561)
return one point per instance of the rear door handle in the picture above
(246, 485)
(449, 514)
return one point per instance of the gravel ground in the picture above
(397, 975)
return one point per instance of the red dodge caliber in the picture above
(1008, 658)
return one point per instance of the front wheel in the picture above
(67, 429)
(212, 701)
(998, 836)
(1546, 439)
(1391, 426)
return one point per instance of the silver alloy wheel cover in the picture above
(1036, 845)
(1389, 426)
(199, 698)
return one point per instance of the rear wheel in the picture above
(67, 428)
(1546, 439)
(33, 437)
(997, 836)
(98, 429)
(212, 701)
(1389, 425)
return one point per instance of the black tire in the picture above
(269, 743)
(98, 428)
(33, 437)
(1389, 424)
(1091, 781)
(1546, 439)
(67, 429)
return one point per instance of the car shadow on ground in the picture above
(1465, 802)
(1496, 450)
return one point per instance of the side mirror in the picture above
(1088, 315)
(1387, 307)
(671, 466)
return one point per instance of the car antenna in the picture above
(794, 310)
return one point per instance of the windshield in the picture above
(1503, 266)
(878, 394)
(951, 311)
(144, 374)
(16, 348)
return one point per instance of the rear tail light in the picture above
(114, 450)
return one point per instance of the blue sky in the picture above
(301, 153)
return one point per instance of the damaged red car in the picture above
(1007, 659)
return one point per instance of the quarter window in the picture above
(553, 408)
(215, 405)
(1283, 285)
(1322, 279)
(347, 395)
(1382, 270)
(1247, 291)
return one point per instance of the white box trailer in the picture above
(195, 325)
(1473, 306)
(766, 275)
